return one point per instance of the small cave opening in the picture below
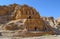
(29, 17)
(36, 29)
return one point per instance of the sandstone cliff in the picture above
(23, 18)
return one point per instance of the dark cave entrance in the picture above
(29, 17)
(36, 29)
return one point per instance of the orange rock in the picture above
(33, 21)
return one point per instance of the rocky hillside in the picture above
(18, 20)
(51, 21)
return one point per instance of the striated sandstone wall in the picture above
(33, 21)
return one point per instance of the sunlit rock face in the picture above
(24, 18)
(58, 19)
(6, 13)
(50, 21)
(58, 23)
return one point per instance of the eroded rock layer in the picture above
(24, 19)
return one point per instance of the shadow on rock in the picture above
(57, 32)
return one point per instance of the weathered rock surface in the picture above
(50, 21)
(54, 23)
(23, 18)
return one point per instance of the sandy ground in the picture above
(40, 37)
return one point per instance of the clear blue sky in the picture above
(44, 7)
